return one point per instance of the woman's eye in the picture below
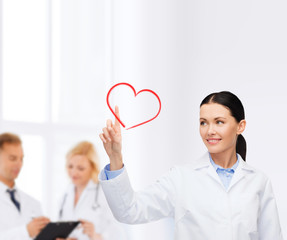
(219, 122)
(202, 123)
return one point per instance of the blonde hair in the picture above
(87, 149)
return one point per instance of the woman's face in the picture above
(218, 129)
(79, 170)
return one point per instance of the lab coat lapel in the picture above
(204, 163)
(68, 204)
(212, 173)
(23, 202)
(83, 195)
(238, 175)
(4, 199)
(242, 170)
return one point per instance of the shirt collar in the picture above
(4, 187)
(204, 162)
(216, 167)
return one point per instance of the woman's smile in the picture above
(213, 141)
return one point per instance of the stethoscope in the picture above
(95, 205)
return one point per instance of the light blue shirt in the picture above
(225, 174)
(112, 174)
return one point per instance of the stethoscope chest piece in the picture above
(95, 206)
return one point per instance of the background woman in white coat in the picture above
(84, 199)
(219, 196)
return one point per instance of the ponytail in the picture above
(241, 146)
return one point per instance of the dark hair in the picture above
(233, 103)
(9, 138)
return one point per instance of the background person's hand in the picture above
(89, 229)
(36, 225)
(112, 140)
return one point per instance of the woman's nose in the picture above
(72, 172)
(211, 130)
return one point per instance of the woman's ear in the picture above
(241, 127)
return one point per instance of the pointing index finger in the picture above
(117, 112)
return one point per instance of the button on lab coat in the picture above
(202, 208)
(93, 209)
(13, 224)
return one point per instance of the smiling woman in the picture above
(218, 197)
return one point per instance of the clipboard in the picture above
(55, 230)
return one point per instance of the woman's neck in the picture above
(224, 159)
(78, 192)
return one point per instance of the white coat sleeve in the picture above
(268, 224)
(155, 202)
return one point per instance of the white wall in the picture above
(184, 50)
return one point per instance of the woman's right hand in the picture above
(112, 140)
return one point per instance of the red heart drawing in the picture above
(135, 93)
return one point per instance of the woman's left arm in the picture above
(269, 224)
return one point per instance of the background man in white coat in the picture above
(19, 213)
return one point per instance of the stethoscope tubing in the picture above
(95, 205)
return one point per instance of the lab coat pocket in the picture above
(249, 214)
(249, 224)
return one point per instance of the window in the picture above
(53, 84)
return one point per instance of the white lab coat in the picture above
(13, 224)
(101, 216)
(203, 209)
